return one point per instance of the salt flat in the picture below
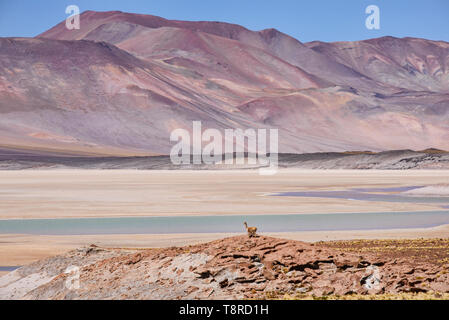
(114, 193)
(95, 193)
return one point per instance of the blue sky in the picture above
(325, 20)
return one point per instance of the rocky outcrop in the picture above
(232, 268)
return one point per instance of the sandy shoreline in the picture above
(16, 249)
(108, 193)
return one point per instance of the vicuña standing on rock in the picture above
(251, 230)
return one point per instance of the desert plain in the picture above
(44, 194)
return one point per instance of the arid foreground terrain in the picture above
(243, 268)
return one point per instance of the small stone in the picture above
(268, 275)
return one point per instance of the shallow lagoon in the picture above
(225, 224)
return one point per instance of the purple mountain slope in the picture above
(123, 82)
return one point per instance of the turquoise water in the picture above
(222, 224)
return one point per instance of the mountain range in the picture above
(122, 82)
